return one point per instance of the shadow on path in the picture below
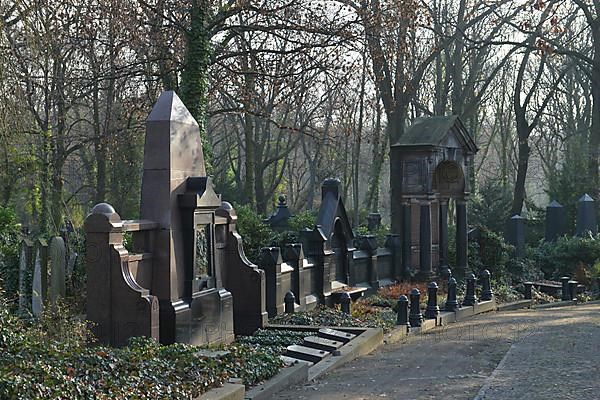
(547, 348)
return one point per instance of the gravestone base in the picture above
(211, 317)
(208, 319)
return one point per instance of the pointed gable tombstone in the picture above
(556, 221)
(586, 216)
(172, 153)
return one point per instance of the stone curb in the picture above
(292, 375)
(363, 344)
(228, 391)
(555, 304)
(515, 305)
(444, 318)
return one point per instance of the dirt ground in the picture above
(539, 351)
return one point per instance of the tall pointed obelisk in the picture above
(172, 153)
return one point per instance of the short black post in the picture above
(470, 298)
(486, 285)
(415, 316)
(289, 301)
(451, 303)
(528, 290)
(566, 296)
(402, 317)
(345, 302)
(432, 310)
(573, 290)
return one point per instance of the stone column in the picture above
(443, 244)
(516, 235)
(461, 235)
(586, 216)
(425, 239)
(406, 231)
(556, 219)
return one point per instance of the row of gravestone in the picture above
(43, 270)
(556, 223)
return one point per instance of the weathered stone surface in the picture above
(58, 267)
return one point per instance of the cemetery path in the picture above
(532, 354)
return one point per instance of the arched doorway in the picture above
(449, 183)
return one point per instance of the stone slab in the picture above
(363, 344)
(292, 361)
(306, 353)
(229, 391)
(464, 312)
(484, 306)
(322, 343)
(334, 334)
(293, 375)
(515, 305)
(426, 325)
(397, 334)
(555, 304)
(445, 318)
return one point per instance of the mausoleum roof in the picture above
(434, 131)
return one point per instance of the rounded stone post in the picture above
(470, 298)
(565, 288)
(573, 290)
(451, 303)
(486, 285)
(433, 310)
(528, 290)
(345, 302)
(290, 302)
(402, 316)
(415, 317)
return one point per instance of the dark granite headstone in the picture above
(373, 221)
(586, 216)
(556, 220)
(516, 235)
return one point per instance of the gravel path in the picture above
(542, 353)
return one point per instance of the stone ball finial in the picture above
(103, 208)
(282, 200)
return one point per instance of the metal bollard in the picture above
(470, 298)
(432, 310)
(345, 302)
(415, 317)
(565, 288)
(573, 290)
(402, 316)
(486, 285)
(451, 303)
(528, 290)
